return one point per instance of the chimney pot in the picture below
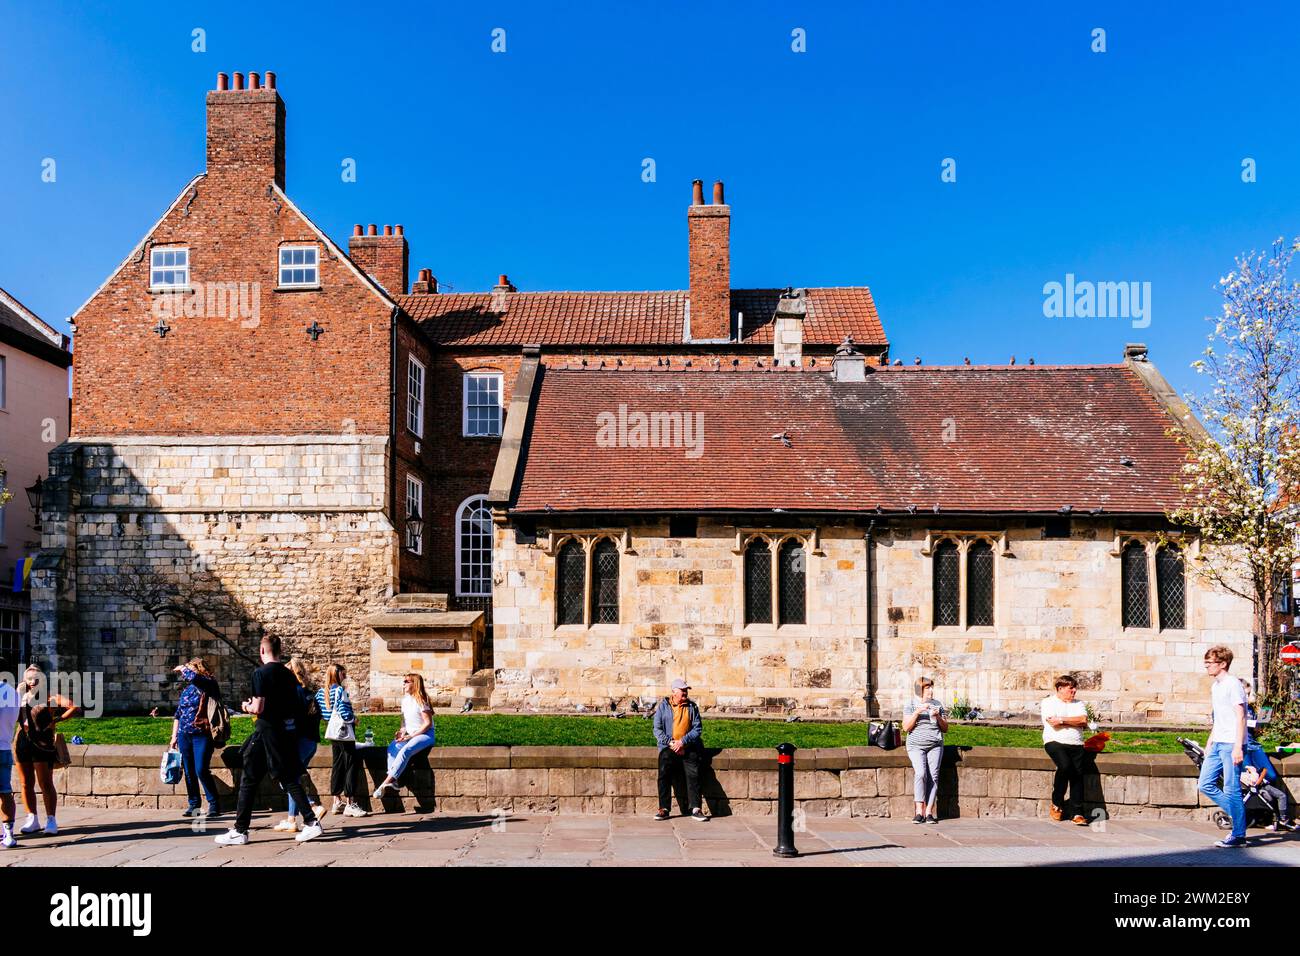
(254, 81)
(372, 230)
(717, 194)
(398, 229)
(356, 230)
(388, 230)
(503, 279)
(270, 79)
(697, 193)
(223, 81)
(239, 81)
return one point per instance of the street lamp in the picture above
(34, 499)
(414, 530)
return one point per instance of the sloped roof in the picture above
(22, 328)
(630, 318)
(965, 438)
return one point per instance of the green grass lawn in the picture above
(529, 730)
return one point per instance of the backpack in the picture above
(213, 717)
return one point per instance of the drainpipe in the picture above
(871, 612)
(392, 443)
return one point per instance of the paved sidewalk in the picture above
(160, 838)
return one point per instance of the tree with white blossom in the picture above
(1241, 479)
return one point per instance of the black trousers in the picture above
(267, 752)
(671, 765)
(1069, 770)
(344, 753)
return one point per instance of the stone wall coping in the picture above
(647, 758)
(423, 619)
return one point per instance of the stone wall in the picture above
(986, 782)
(1057, 609)
(284, 536)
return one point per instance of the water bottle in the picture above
(370, 737)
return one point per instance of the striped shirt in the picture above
(338, 699)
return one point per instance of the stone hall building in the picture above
(281, 435)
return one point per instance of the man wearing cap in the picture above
(680, 736)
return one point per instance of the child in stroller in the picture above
(1267, 806)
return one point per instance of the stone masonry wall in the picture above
(285, 536)
(857, 781)
(1057, 609)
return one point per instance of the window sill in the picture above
(482, 437)
(297, 288)
(776, 630)
(171, 290)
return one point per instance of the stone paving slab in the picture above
(154, 838)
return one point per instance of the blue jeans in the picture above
(196, 761)
(1218, 763)
(306, 750)
(400, 754)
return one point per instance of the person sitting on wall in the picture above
(680, 735)
(925, 723)
(1063, 721)
(415, 735)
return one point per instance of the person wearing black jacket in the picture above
(192, 736)
(273, 746)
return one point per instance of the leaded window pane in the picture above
(792, 569)
(1137, 593)
(604, 583)
(947, 585)
(1170, 590)
(979, 585)
(758, 583)
(570, 570)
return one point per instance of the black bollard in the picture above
(785, 801)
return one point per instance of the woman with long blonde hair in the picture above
(332, 698)
(192, 736)
(415, 734)
(35, 752)
(307, 727)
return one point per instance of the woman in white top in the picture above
(416, 733)
(1063, 721)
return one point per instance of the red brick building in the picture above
(252, 400)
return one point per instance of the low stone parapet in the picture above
(856, 781)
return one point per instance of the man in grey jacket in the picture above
(679, 733)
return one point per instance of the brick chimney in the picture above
(426, 284)
(709, 229)
(384, 257)
(246, 130)
(787, 337)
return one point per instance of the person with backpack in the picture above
(416, 733)
(273, 746)
(192, 734)
(925, 723)
(340, 730)
(308, 740)
(680, 734)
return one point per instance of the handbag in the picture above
(886, 736)
(61, 756)
(169, 770)
(339, 730)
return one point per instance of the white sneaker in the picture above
(232, 838)
(288, 825)
(51, 826)
(352, 810)
(33, 825)
(337, 807)
(310, 832)
(7, 840)
(379, 791)
(317, 809)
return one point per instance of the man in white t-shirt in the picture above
(1063, 721)
(10, 704)
(1225, 750)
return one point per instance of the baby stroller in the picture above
(1261, 808)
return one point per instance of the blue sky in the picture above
(1117, 166)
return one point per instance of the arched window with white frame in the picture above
(474, 548)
